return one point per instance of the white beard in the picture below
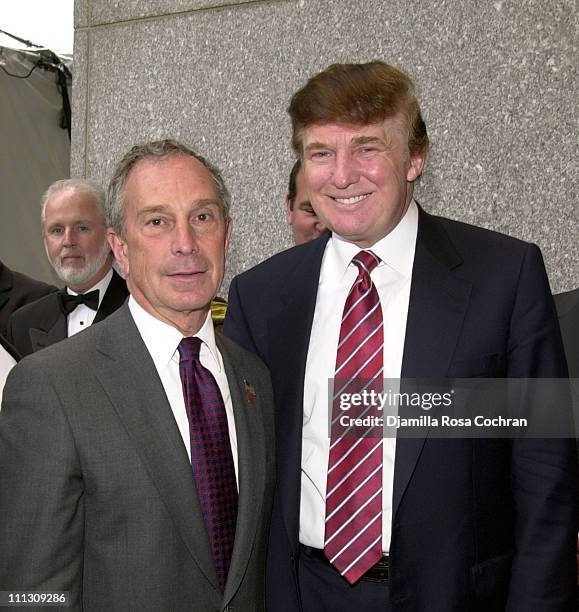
(76, 276)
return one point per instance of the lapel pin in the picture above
(250, 391)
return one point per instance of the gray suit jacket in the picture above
(96, 491)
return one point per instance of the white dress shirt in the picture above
(162, 341)
(7, 362)
(392, 278)
(83, 316)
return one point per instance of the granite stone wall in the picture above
(497, 83)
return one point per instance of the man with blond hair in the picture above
(417, 523)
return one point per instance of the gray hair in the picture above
(74, 184)
(157, 150)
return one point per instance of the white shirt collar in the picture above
(395, 250)
(101, 286)
(162, 339)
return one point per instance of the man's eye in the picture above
(320, 154)
(83, 228)
(205, 217)
(155, 222)
(56, 230)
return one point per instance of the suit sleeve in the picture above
(41, 492)
(544, 472)
(235, 326)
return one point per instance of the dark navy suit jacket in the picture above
(478, 524)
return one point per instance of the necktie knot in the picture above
(68, 302)
(366, 261)
(189, 349)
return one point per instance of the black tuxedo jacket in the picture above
(42, 323)
(16, 290)
(477, 524)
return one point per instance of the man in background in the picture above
(302, 218)
(74, 233)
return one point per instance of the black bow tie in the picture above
(69, 302)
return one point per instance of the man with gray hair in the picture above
(149, 485)
(74, 232)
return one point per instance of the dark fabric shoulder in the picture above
(286, 260)
(567, 303)
(473, 234)
(31, 287)
(35, 309)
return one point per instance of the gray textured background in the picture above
(497, 83)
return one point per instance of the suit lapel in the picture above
(114, 297)
(51, 329)
(289, 330)
(438, 302)
(128, 376)
(251, 460)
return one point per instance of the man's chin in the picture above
(73, 275)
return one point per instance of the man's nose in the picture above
(345, 172)
(185, 241)
(69, 237)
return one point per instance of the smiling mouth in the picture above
(352, 199)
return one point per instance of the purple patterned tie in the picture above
(211, 458)
(353, 534)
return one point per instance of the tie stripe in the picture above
(358, 324)
(344, 525)
(353, 529)
(352, 470)
(360, 346)
(347, 499)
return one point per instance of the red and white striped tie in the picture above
(353, 534)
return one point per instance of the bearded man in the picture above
(74, 233)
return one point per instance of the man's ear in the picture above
(119, 249)
(288, 209)
(228, 230)
(417, 163)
